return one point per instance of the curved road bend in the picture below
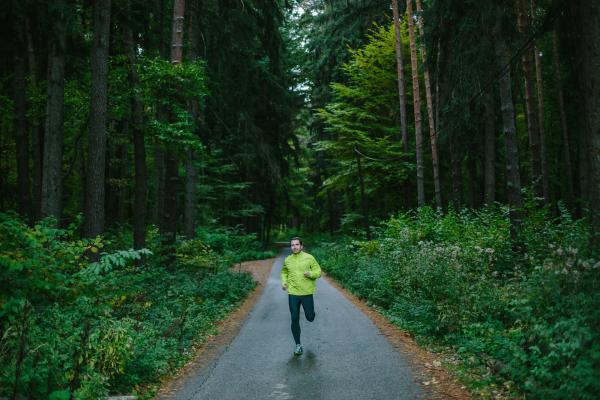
(345, 355)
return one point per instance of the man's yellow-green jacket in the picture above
(293, 270)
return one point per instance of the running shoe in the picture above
(298, 350)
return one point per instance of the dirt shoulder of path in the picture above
(229, 327)
(427, 369)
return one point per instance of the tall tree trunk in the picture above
(51, 179)
(20, 125)
(172, 178)
(123, 175)
(35, 135)
(563, 122)
(532, 120)
(82, 175)
(162, 37)
(589, 55)
(402, 95)
(542, 114)
(432, 131)
(158, 208)
(417, 104)
(472, 166)
(490, 149)
(94, 207)
(457, 178)
(511, 153)
(171, 208)
(189, 223)
(139, 148)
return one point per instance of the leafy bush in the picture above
(460, 280)
(68, 327)
(234, 245)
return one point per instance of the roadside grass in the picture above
(70, 329)
(520, 318)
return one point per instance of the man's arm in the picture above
(284, 276)
(315, 269)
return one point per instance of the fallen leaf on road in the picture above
(437, 364)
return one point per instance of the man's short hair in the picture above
(298, 239)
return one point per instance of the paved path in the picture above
(345, 355)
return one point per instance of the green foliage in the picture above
(461, 281)
(235, 245)
(366, 112)
(68, 327)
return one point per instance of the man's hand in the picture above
(284, 286)
(307, 274)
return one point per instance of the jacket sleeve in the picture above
(315, 269)
(284, 273)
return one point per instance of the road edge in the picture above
(438, 382)
(207, 353)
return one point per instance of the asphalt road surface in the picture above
(345, 355)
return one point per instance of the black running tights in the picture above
(309, 310)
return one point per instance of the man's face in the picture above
(296, 246)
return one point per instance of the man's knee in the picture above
(295, 319)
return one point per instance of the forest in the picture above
(440, 157)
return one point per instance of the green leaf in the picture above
(60, 395)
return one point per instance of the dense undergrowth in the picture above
(459, 280)
(71, 329)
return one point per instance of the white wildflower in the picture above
(495, 273)
(586, 265)
(570, 262)
(551, 245)
(559, 252)
(538, 267)
(564, 271)
(489, 251)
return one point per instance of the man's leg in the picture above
(294, 302)
(308, 305)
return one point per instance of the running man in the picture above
(299, 272)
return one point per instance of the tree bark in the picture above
(511, 153)
(563, 123)
(177, 32)
(458, 198)
(94, 211)
(51, 179)
(35, 135)
(402, 96)
(542, 121)
(171, 209)
(472, 166)
(189, 223)
(123, 175)
(139, 148)
(172, 170)
(589, 64)
(490, 149)
(82, 175)
(432, 131)
(158, 209)
(20, 125)
(417, 104)
(532, 120)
